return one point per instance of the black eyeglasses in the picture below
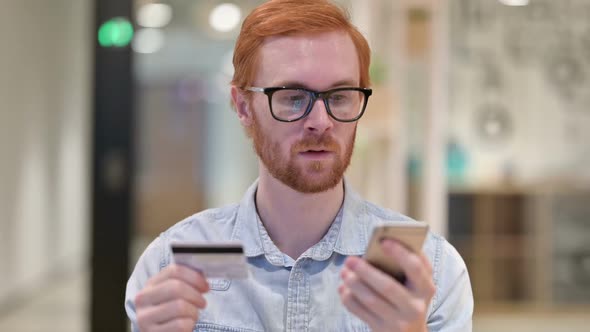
(345, 104)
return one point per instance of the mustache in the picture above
(324, 142)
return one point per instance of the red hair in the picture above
(293, 17)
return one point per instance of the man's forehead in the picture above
(299, 57)
(307, 40)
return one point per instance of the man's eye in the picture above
(297, 98)
(338, 98)
(297, 103)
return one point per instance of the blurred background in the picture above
(115, 124)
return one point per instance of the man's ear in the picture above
(242, 106)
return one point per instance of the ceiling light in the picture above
(154, 15)
(225, 17)
(515, 2)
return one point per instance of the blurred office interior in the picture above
(115, 124)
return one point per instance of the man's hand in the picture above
(171, 300)
(380, 300)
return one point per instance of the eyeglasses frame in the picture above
(315, 95)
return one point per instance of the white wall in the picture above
(534, 62)
(45, 76)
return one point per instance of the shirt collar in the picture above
(354, 230)
(347, 235)
(246, 229)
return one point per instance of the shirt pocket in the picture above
(354, 324)
(359, 328)
(219, 284)
(209, 327)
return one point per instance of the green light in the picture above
(116, 32)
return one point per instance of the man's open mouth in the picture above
(316, 153)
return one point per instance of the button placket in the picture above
(297, 300)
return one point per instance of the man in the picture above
(300, 84)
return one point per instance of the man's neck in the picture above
(296, 221)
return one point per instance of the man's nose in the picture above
(318, 120)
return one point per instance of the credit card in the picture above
(224, 260)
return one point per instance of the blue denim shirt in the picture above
(283, 294)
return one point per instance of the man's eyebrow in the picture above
(297, 84)
(344, 83)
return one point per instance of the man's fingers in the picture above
(171, 300)
(167, 311)
(367, 296)
(426, 263)
(354, 306)
(177, 325)
(382, 283)
(180, 272)
(416, 268)
(169, 290)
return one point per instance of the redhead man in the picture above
(301, 83)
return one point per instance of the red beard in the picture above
(312, 177)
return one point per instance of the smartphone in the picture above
(223, 260)
(411, 235)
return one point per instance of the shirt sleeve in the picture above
(452, 304)
(150, 263)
